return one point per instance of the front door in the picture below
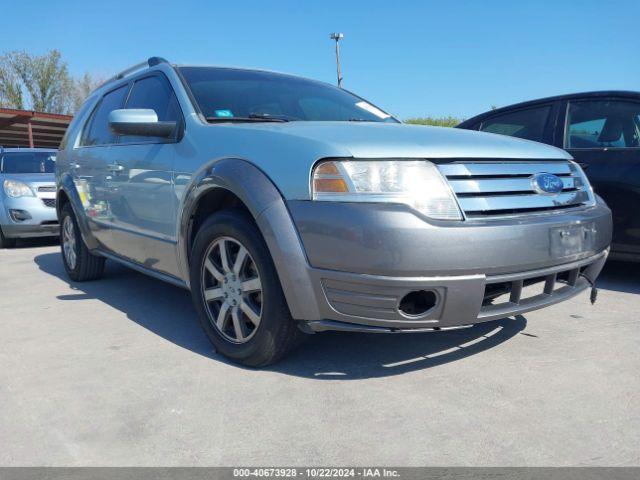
(141, 182)
(603, 135)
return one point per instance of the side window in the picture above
(156, 94)
(528, 124)
(603, 124)
(97, 130)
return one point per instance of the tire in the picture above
(6, 242)
(234, 330)
(83, 266)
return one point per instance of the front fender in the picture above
(67, 185)
(269, 210)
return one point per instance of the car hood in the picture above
(389, 140)
(287, 152)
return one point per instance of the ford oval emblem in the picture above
(547, 183)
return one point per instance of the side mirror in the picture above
(140, 122)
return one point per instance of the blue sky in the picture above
(410, 57)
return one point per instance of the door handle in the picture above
(115, 167)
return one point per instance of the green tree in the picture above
(447, 121)
(82, 87)
(46, 78)
(10, 85)
(38, 82)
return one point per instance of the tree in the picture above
(45, 78)
(82, 88)
(10, 85)
(447, 121)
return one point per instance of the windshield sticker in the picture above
(371, 109)
(223, 113)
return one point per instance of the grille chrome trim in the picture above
(535, 201)
(47, 188)
(501, 185)
(495, 188)
(493, 168)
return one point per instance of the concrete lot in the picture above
(117, 372)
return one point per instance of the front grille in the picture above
(49, 202)
(493, 188)
(47, 189)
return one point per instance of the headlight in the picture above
(14, 188)
(417, 183)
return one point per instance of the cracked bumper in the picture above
(364, 258)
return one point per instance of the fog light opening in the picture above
(417, 303)
(19, 215)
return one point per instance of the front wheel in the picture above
(237, 293)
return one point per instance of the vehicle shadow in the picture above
(620, 277)
(167, 311)
(36, 242)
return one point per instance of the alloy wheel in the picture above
(69, 242)
(232, 290)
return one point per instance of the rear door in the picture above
(603, 135)
(89, 165)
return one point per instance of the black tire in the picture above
(277, 332)
(87, 266)
(6, 242)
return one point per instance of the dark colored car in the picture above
(601, 130)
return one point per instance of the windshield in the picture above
(28, 162)
(231, 94)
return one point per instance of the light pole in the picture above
(337, 37)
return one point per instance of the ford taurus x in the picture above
(288, 206)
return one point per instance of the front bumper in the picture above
(365, 258)
(43, 221)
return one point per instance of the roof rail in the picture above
(151, 62)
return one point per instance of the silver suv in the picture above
(27, 194)
(288, 206)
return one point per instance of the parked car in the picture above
(601, 130)
(28, 195)
(289, 206)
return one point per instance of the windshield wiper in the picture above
(276, 116)
(253, 117)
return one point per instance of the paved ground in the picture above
(117, 372)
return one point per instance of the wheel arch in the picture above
(68, 194)
(233, 182)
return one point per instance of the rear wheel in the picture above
(237, 293)
(6, 242)
(81, 265)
